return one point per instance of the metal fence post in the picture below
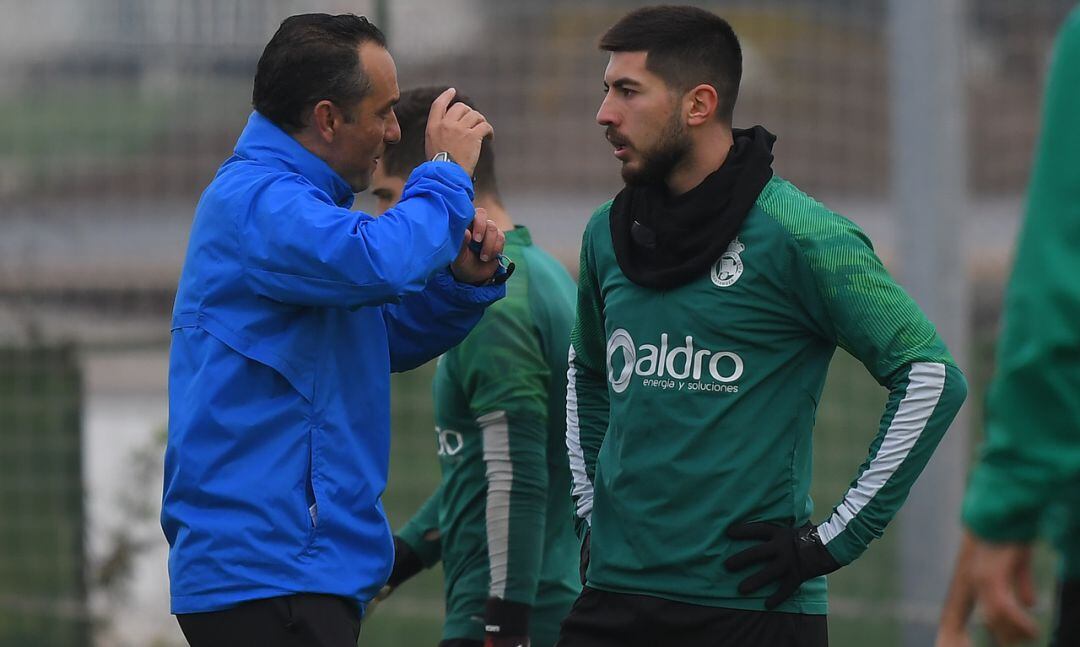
(929, 184)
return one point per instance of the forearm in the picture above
(923, 401)
(427, 324)
(1030, 456)
(517, 481)
(296, 248)
(421, 533)
(587, 411)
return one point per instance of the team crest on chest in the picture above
(729, 267)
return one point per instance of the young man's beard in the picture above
(656, 164)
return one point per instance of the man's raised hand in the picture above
(456, 129)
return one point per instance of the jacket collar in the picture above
(265, 142)
(519, 235)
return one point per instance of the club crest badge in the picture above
(729, 268)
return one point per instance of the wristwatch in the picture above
(443, 156)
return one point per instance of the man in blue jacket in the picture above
(290, 315)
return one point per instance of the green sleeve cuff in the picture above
(997, 508)
(844, 549)
(428, 551)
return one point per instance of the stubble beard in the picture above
(671, 148)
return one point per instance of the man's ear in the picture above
(703, 102)
(325, 120)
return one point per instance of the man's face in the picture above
(372, 123)
(386, 188)
(643, 120)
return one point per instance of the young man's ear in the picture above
(703, 102)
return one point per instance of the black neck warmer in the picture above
(663, 241)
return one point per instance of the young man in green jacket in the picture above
(712, 296)
(1028, 475)
(501, 520)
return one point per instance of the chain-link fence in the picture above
(114, 114)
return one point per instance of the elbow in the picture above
(955, 391)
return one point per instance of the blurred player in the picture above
(1028, 474)
(292, 310)
(501, 521)
(712, 296)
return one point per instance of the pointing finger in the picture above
(479, 225)
(491, 242)
(439, 105)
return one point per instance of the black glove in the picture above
(790, 555)
(406, 563)
(494, 640)
(506, 623)
(583, 565)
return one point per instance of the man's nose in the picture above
(393, 133)
(606, 116)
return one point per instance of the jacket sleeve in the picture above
(426, 324)
(505, 377)
(422, 533)
(299, 248)
(862, 309)
(587, 407)
(1032, 451)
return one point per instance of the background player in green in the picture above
(1028, 474)
(502, 519)
(712, 296)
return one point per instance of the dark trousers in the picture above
(302, 620)
(1067, 623)
(461, 642)
(602, 619)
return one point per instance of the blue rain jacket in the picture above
(290, 315)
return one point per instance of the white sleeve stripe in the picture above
(582, 488)
(926, 381)
(500, 478)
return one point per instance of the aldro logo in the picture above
(684, 367)
(449, 441)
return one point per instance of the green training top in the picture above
(503, 509)
(691, 409)
(1030, 463)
